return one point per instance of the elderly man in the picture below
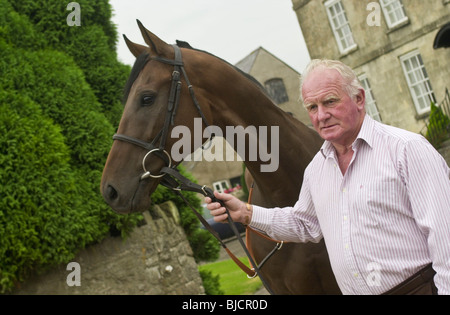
(378, 195)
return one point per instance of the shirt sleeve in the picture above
(291, 224)
(427, 179)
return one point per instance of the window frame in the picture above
(221, 185)
(422, 81)
(388, 7)
(371, 104)
(343, 27)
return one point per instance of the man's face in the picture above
(336, 116)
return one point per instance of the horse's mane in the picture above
(142, 60)
(184, 44)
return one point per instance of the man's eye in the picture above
(312, 108)
(331, 101)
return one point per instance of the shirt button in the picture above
(346, 246)
(345, 218)
(344, 190)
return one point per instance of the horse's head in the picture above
(142, 146)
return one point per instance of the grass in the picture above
(233, 281)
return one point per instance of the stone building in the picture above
(389, 44)
(282, 83)
(280, 80)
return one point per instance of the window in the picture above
(220, 186)
(418, 81)
(394, 12)
(339, 24)
(371, 105)
(276, 90)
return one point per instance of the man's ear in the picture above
(360, 99)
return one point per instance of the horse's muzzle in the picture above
(127, 202)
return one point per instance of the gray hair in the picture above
(351, 85)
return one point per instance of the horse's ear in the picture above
(135, 49)
(157, 45)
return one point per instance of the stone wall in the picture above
(379, 49)
(155, 259)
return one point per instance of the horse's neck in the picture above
(296, 145)
(243, 103)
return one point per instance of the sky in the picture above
(229, 29)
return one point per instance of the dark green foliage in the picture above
(54, 140)
(60, 103)
(42, 219)
(438, 129)
(17, 30)
(92, 46)
(211, 283)
(205, 247)
(59, 85)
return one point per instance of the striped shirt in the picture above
(386, 218)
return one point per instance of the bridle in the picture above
(170, 176)
(172, 106)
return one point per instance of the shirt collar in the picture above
(365, 133)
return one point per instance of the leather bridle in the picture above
(169, 175)
(172, 106)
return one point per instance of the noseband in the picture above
(172, 106)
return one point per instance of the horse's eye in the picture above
(148, 99)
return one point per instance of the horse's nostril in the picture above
(111, 192)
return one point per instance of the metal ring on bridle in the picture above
(147, 173)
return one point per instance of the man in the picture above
(379, 195)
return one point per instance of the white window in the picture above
(220, 186)
(418, 81)
(339, 24)
(393, 12)
(371, 105)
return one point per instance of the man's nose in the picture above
(322, 113)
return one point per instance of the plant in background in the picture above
(438, 128)
(211, 282)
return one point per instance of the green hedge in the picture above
(55, 139)
(211, 282)
(60, 103)
(42, 219)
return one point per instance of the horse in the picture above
(159, 98)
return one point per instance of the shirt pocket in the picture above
(377, 203)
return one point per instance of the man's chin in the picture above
(330, 133)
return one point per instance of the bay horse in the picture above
(224, 96)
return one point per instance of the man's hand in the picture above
(238, 209)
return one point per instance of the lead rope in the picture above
(214, 233)
(277, 247)
(236, 232)
(182, 183)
